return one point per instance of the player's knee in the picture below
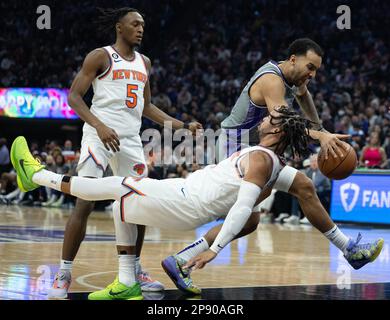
(303, 188)
(83, 208)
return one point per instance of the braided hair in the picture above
(109, 17)
(296, 132)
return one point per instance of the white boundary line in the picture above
(81, 280)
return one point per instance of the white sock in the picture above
(193, 249)
(48, 179)
(138, 268)
(66, 265)
(339, 239)
(127, 269)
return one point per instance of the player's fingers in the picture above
(115, 137)
(194, 267)
(112, 146)
(343, 136)
(115, 134)
(106, 145)
(189, 264)
(340, 144)
(326, 153)
(332, 152)
(199, 264)
(115, 142)
(339, 151)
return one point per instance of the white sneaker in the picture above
(148, 284)
(304, 221)
(61, 285)
(292, 220)
(280, 217)
(265, 218)
(58, 203)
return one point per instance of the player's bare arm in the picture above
(305, 101)
(94, 64)
(270, 90)
(257, 168)
(157, 115)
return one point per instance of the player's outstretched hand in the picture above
(193, 126)
(108, 136)
(331, 144)
(200, 260)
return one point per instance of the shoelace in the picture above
(356, 246)
(145, 275)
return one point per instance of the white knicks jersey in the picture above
(214, 189)
(118, 99)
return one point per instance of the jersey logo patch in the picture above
(115, 56)
(139, 168)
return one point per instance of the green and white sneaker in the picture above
(118, 291)
(25, 164)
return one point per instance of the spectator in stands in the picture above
(68, 151)
(373, 155)
(321, 183)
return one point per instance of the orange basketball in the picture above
(338, 168)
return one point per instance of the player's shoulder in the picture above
(271, 79)
(258, 159)
(257, 162)
(148, 62)
(99, 52)
(97, 55)
(260, 156)
(269, 84)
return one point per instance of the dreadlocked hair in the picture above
(109, 17)
(296, 132)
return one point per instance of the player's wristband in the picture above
(186, 125)
(215, 248)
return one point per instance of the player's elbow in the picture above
(72, 98)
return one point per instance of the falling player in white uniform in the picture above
(275, 84)
(119, 76)
(234, 186)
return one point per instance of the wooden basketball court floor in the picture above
(274, 262)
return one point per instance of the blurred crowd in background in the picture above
(202, 55)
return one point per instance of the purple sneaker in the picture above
(180, 276)
(360, 254)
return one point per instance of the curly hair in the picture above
(296, 131)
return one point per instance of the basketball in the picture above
(338, 168)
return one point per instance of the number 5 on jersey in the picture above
(131, 101)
